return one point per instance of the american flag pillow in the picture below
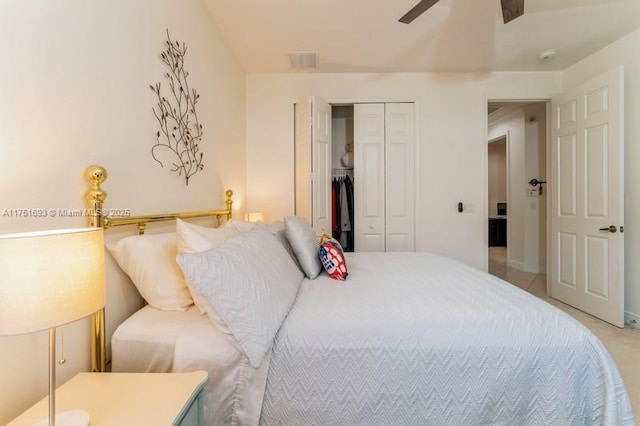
(332, 258)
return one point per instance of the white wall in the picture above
(535, 213)
(74, 85)
(623, 52)
(341, 133)
(451, 114)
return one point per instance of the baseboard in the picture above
(534, 269)
(515, 264)
(632, 320)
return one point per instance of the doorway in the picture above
(497, 200)
(516, 208)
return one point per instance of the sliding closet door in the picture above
(369, 181)
(400, 176)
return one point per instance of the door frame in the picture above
(548, 186)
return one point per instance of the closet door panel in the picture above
(369, 182)
(400, 177)
(321, 166)
(313, 162)
(303, 159)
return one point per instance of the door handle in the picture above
(611, 229)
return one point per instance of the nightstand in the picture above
(117, 399)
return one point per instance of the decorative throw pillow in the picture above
(194, 239)
(332, 258)
(305, 244)
(250, 282)
(150, 262)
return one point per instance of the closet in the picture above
(342, 188)
(370, 146)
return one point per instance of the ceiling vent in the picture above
(303, 59)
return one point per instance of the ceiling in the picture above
(452, 36)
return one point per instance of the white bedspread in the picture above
(420, 339)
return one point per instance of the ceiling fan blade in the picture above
(511, 9)
(417, 10)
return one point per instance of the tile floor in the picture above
(622, 344)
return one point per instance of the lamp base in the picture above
(68, 418)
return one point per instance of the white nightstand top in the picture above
(122, 398)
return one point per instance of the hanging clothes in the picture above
(342, 210)
(334, 216)
(348, 183)
(344, 215)
(336, 230)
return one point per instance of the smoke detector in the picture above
(547, 55)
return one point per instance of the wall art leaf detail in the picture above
(180, 133)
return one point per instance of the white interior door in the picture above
(400, 176)
(321, 165)
(587, 198)
(369, 181)
(313, 162)
(302, 160)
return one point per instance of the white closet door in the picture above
(313, 162)
(369, 182)
(303, 159)
(400, 176)
(321, 165)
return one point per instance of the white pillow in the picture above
(250, 282)
(193, 239)
(150, 262)
(277, 230)
(305, 244)
(240, 226)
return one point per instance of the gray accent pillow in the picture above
(250, 283)
(305, 244)
(278, 231)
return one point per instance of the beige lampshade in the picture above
(50, 278)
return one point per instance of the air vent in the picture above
(303, 59)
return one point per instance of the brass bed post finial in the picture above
(95, 197)
(229, 202)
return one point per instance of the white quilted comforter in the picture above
(420, 339)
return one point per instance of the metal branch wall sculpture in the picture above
(180, 132)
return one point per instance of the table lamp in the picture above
(254, 217)
(48, 279)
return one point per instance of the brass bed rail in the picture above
(95, 197)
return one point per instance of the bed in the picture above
(408, 338)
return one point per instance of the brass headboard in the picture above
(95, 197)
